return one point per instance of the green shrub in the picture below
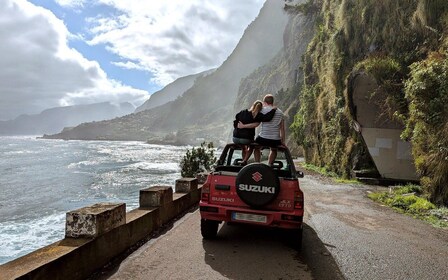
(408, 189)
(382, 68)
(404, 200)
(441, 213)
(420, 206)
(198, 160)
(427, 125)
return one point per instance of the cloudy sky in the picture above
(65, 52)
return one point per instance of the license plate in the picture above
(248, 217)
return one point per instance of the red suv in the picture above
(256, 194)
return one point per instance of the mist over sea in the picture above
(41, 180)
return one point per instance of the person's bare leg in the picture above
(272, 156)
(248, 154)
(243, 151)
(257, 154)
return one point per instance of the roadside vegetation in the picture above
(197, 160)
(324, 171)
(410, 200)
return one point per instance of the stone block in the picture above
(156, 196)
(95, 220)
(186, 185)
(202, 177)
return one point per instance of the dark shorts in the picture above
(268, 142)
(241, 141)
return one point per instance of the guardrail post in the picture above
(95, 220)
(156, 196)
(186, 185)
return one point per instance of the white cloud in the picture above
(173, 38)
(71, 3)
(168, 39)
(38, 70)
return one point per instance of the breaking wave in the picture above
(43, 179)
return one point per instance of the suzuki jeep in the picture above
(256, 193)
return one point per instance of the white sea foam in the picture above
(11, 153)
(85, 163)
(20, 238)
(154, 167)
(66, 175)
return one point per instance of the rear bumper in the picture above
(281, 219)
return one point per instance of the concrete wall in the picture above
(392, 156)
(78, 258)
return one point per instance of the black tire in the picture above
(209, 228)
(296, 238)
(257, 185)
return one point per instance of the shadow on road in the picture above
(248, 252)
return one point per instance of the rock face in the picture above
(206, 109)
(55, 119)
(171, 91)
(283, 75)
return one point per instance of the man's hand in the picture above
(282, 132)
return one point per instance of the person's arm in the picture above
(235, 121)
(265, 117)
(248, 125)
(282, 132)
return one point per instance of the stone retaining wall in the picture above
(98, 233)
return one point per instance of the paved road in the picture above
(345, 236)
(370, 241)
(239, 253)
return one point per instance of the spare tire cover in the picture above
(257, 184)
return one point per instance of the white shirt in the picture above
(271, 129)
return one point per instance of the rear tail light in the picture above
(298, 200)
(205, 192)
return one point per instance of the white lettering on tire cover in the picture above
(255, 188)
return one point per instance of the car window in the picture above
(235, 157)
(281, 157)
(231, 161)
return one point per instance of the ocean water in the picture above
(41, 180)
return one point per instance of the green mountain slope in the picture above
(402, 44)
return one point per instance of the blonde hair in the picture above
(256, 108)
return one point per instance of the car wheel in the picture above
(296, 238)
(209, 228)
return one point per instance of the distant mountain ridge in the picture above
(205, 111)
(171, 91)
(55, 119)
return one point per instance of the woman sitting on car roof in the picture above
(245, 136)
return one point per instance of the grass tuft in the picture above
(406, 200)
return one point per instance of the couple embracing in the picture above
(272, 133)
